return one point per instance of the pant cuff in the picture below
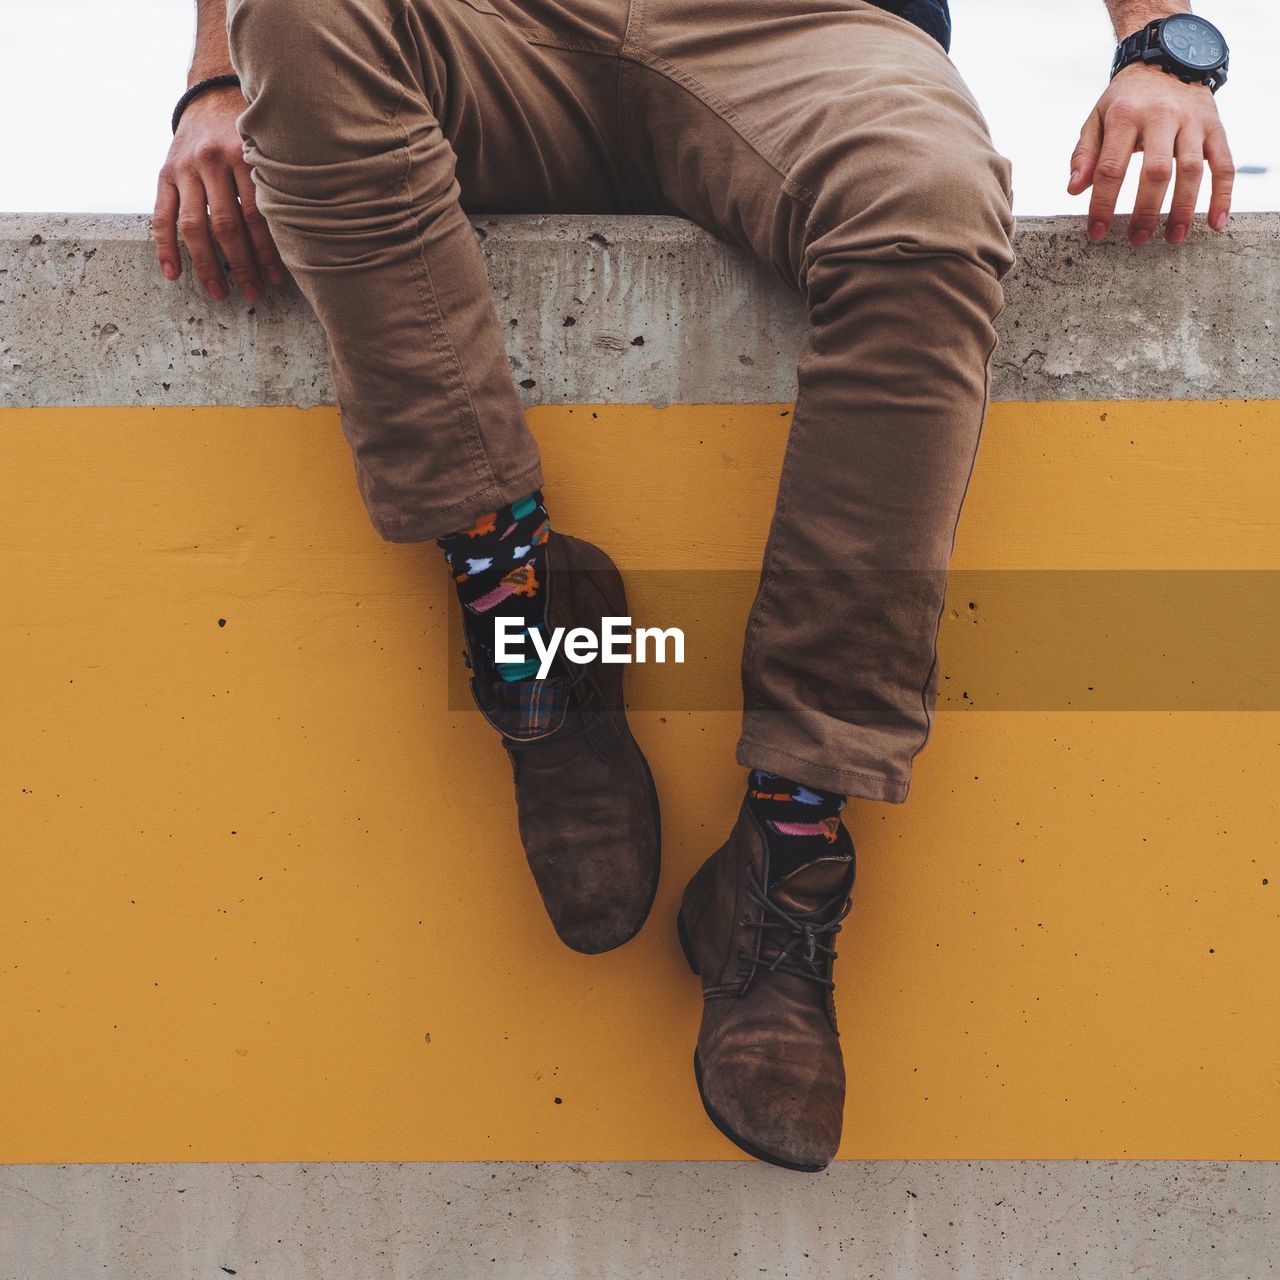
(435, 524)
(862, 784)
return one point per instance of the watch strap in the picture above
(1130, 49)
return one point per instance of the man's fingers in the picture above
(1085, 156)
(193, 226)
(1182, 210)
(1223, 169)
(259, 234)
(164, 228)
(1118, 140)
(1157, 173)
(230, 232)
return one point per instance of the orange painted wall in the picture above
(263, 896)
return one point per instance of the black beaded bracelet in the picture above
(213, 82)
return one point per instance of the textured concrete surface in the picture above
(635, 310)
(715, 1221)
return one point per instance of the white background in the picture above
(88, 86)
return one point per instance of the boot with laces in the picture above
(585, 798)
(768, 1061)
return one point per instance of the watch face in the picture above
(1193, 41)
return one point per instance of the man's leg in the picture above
(840, 145)
(370, 125)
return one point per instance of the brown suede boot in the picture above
(768, 1061)
(587, 806)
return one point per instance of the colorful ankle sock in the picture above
(800, 823)
(499, 568)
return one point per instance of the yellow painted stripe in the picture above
(264, 899)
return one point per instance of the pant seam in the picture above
(635, 18)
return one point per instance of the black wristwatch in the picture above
(1183, 44)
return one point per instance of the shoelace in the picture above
(803, 934)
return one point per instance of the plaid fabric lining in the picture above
(524, 708)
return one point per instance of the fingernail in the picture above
(1097, 230)
(170, 271)
(1177, 233)
(251, 291)
(216, 288)
(1141, 237)
(1219, 220)
(1071, 181)
(275, 275)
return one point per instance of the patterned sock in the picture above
(499, 567)
(800, 823)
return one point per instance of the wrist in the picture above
(220, 86)
(196, 74)
(1128, 18)
(212, 103)
(216, 93)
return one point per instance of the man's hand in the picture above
(206, 194)
(1177, 129)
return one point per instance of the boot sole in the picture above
(738, 1141)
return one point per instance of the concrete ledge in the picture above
(1092, 1220)
(663, 313)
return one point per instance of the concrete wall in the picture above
(250, 1022)
(664, 314)
(885, 1220)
